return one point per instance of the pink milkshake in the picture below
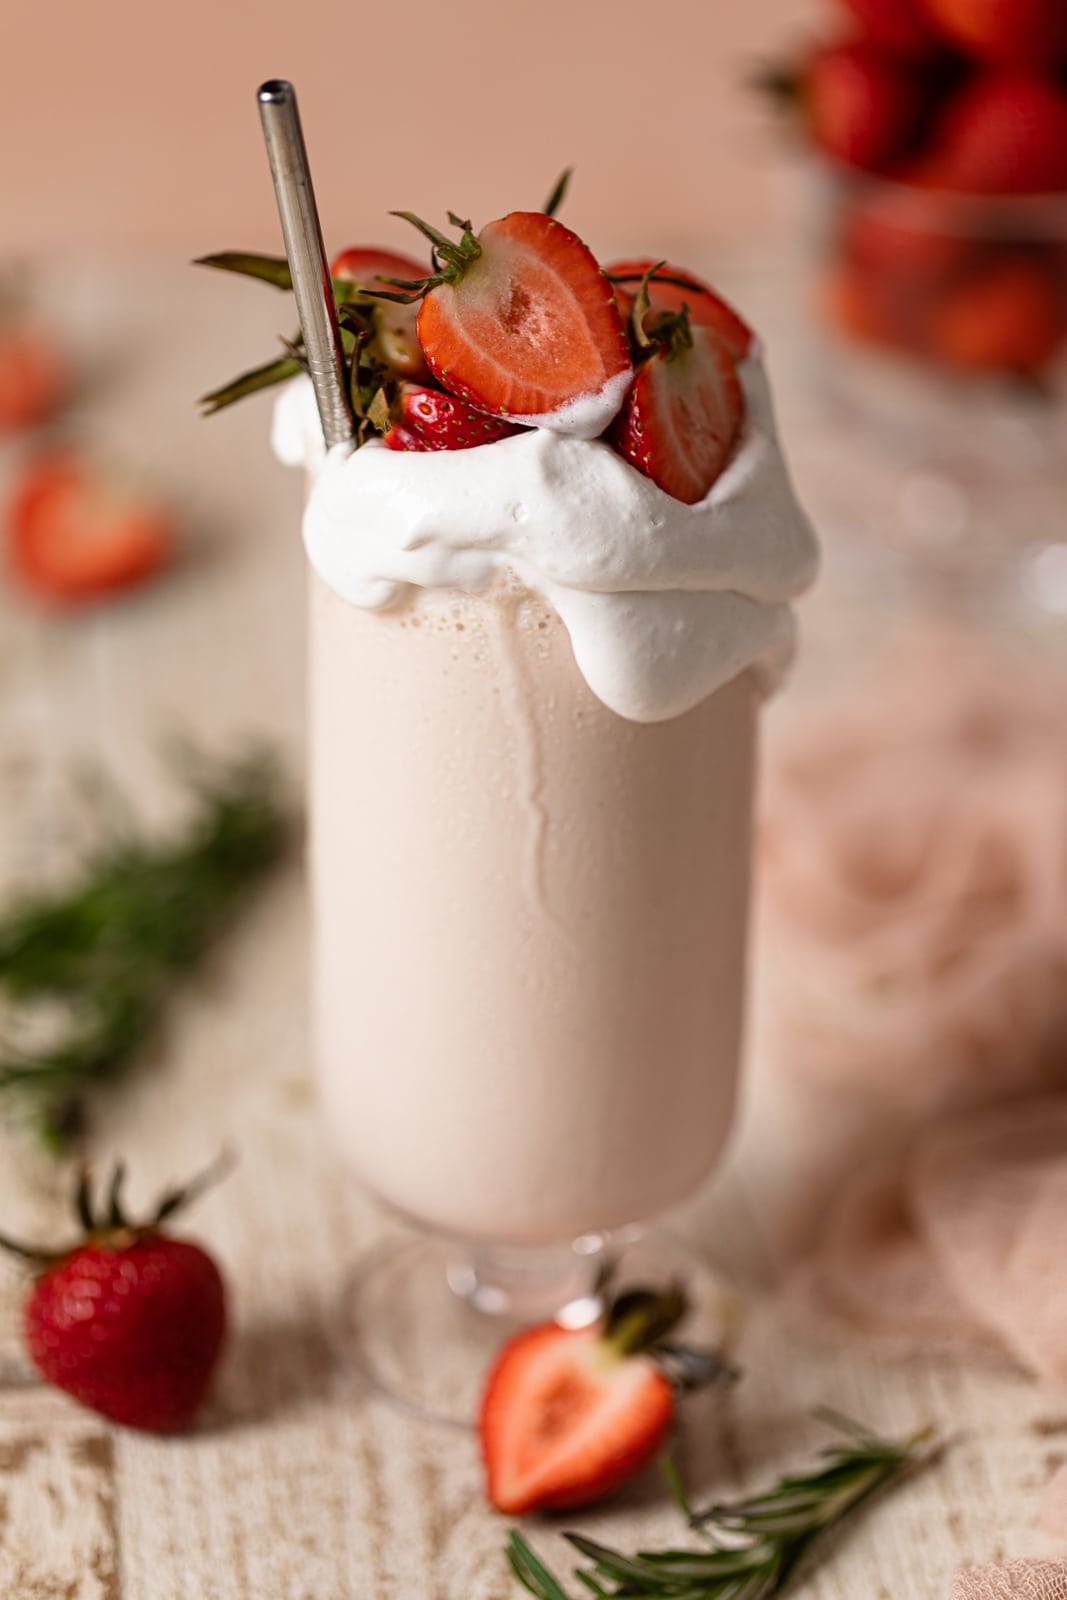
(535, 683)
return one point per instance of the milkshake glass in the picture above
(534, 689)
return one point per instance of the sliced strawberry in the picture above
(73, 537)
(706, 308)
(522, 322)
(397, 342)
(33, 376)
(566, 1420)
(682, 415)
(431, 420)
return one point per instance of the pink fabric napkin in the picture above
(913, 867)
(961, 1244)
(1012, 1580)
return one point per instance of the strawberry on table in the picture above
(682, 415)
(130, 1320)
(74, 536)
(428, 419)
(570, 1415)
(669, 289)
(396, 339)
(519, 320)
(33, 375)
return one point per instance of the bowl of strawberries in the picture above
(938, 249)
(941, 132)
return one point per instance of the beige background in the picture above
(134, 124)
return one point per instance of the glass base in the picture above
(423, 1318)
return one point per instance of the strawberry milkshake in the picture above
(551, 586)
(535, 681)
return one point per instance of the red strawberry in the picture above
(33, 376)
(73, 537)
(569, 1415)
(1009, 318)
(1004, 133)
(683, 412)
(906, 233)
(368, 266)
(706, 308)
(521, 321)
(397, 341)
(431, 420)
(855, 299)
(899, 27)
(130, 1322)
(861, 107)
(1011, 33)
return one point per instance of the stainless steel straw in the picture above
(307, 257)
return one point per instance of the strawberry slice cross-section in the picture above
(566, 1420)
(521, 321)
(569, 1415)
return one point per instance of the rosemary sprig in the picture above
(755, 1545)
(105, 953)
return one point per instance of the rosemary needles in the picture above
(84, 973)
(753, 1546)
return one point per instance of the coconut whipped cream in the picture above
(664, 602)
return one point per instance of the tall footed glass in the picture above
(529, 948)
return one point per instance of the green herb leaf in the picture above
(280, 370)
(269, 269)
(756, 1545)
(110, 948)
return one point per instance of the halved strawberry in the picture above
(569, 1415)
(33, 376)
(397, 342)
(706, 308)
(427, 419)
(566, 1419)
(521, 321)
(73, 536)
(683, 413)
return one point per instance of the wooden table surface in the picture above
(299, 1484)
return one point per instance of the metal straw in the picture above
(307, 256)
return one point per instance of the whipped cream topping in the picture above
(664, 602)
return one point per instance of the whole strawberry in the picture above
(129, 1321)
